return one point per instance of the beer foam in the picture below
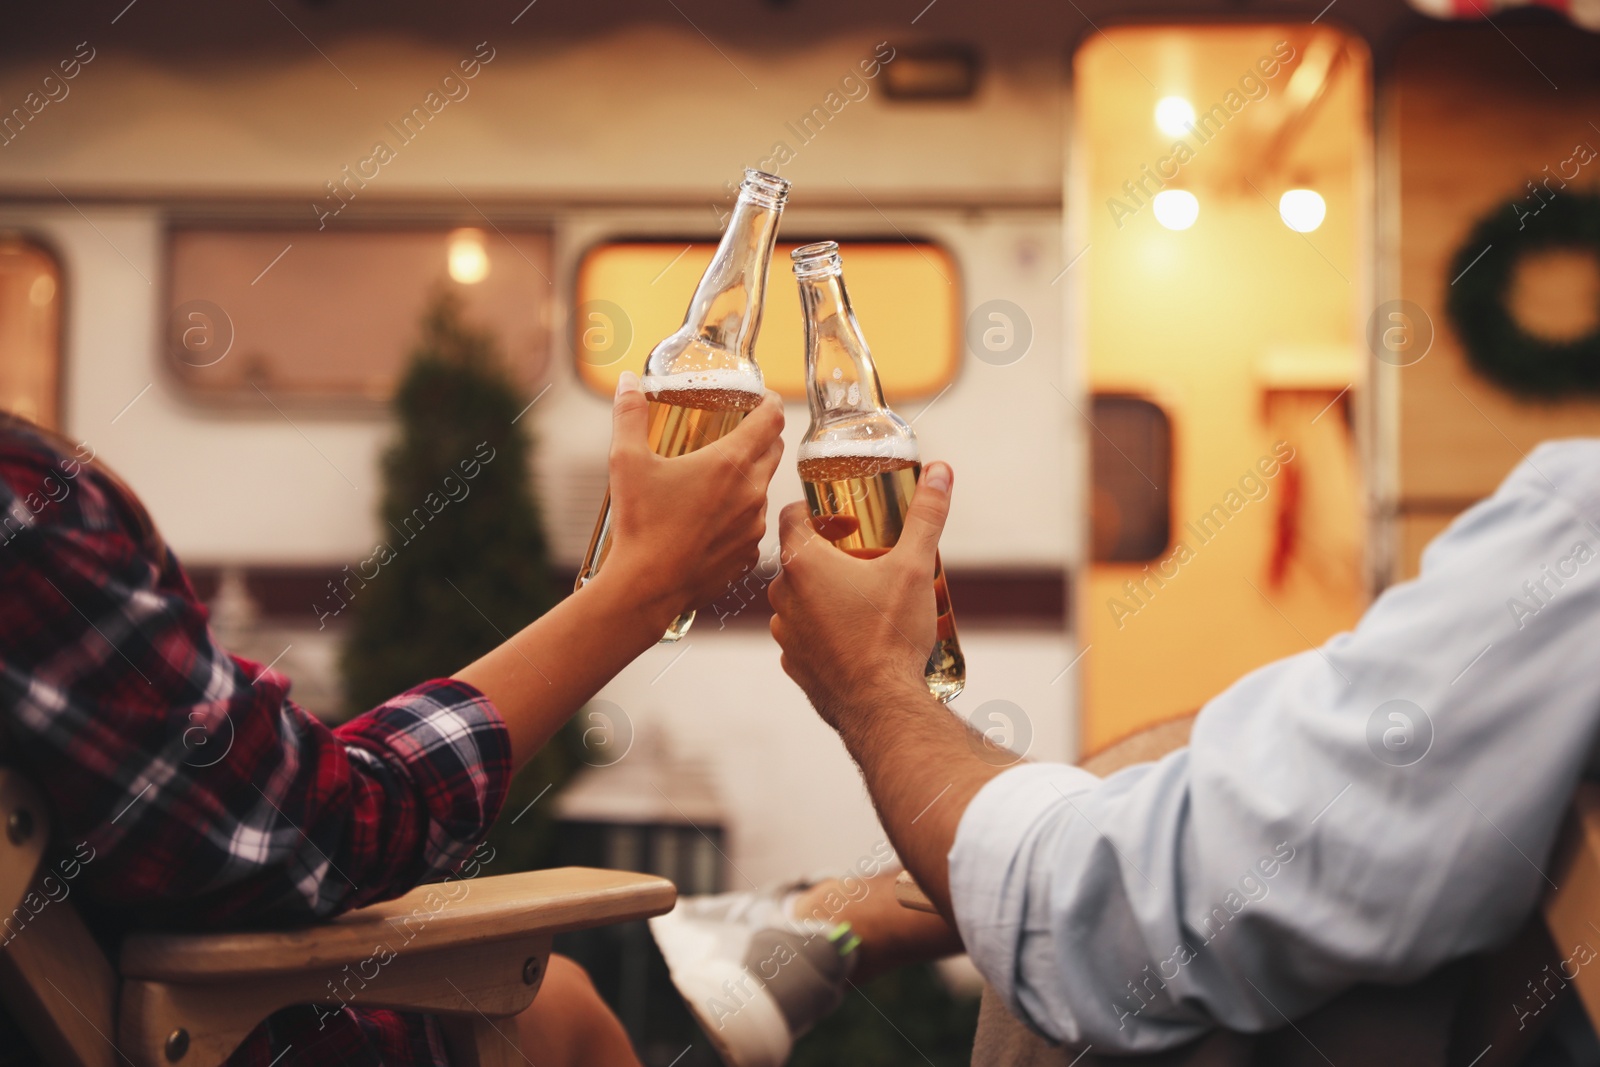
(904, 448)
(727, 380)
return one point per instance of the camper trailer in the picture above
(1182, 292)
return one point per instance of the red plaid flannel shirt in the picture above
(189, 791)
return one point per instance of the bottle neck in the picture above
(839, 366)
(726, 309)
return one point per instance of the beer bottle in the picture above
(703, 379)
(859, 461)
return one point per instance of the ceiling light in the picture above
(469, 260)
(1174, 115)
(42, 291)
(1176, 209)
(1302, 210)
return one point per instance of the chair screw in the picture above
(20, 826)
(530, 970)
(177, 1045)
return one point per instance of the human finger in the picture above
(756, 432)
(926, 516)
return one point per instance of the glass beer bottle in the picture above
(703, 379)
(859, 461)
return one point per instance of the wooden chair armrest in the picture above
(452, 914)
(910, 894)
(1145, 746)
(471, 951)
(1572, 912)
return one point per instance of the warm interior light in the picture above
(1176, 209)
(1302, 209)
(1173, 115)
(469, 260)
(42, 291)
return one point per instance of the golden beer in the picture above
(862, 501)
(681, 421)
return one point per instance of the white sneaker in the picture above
(755, 976)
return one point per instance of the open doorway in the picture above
(1220, 183)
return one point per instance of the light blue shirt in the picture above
(1366, 811)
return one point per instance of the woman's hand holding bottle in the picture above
(683, 528)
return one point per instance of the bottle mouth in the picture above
(816, 260)
(767, 190)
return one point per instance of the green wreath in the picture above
(1497, 345)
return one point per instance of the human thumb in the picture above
(629, 415)
(929, 508)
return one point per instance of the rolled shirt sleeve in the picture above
(199, 790)
(1362, 812)
(443, 747)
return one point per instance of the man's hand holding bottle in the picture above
(855, 633)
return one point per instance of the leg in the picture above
(568, 1025)
(891, 936)
(758, 969)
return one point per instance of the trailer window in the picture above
(1130, 457)
(30, 331)
(333, 316)
(906, 294)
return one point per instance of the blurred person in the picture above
(759, 969)
(107, 664)
(1335, 851)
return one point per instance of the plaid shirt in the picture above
(188, 791)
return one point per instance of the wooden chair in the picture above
(471, 951)
(1572, 909)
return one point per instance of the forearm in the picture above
(547, 671)
(921, 770)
